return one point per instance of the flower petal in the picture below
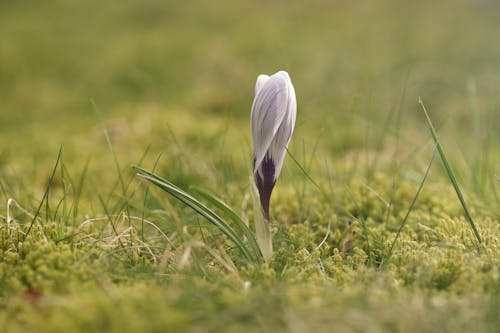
(277, 149)
(269, 108)
(261, 79)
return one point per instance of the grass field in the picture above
(87, 246)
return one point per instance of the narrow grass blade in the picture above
(112, 223)
(304, 170)
(232, 215)
(144, 203)
(321, 190)
(46, 193)
(199, 208)
(79, 188)
(412, 204)
(449, 171)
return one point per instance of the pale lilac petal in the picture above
(268, 111)
(261, 79)
(273, 115)
(277, 149)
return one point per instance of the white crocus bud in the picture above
(274, 110)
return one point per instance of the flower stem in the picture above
(262, 226)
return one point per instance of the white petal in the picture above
(269, 109)
(277, 149)
(261, 79)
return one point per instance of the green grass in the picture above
(450, 173)
(368, 234)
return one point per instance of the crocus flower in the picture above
(274, 110)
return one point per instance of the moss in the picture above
(41, 265)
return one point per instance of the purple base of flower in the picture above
(265, 183)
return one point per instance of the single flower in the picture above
(274, 110)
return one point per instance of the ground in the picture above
(86, 245)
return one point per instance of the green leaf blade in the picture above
(232, 214)
(199, 208)
(450, 173)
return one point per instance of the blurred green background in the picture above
(346, 59)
